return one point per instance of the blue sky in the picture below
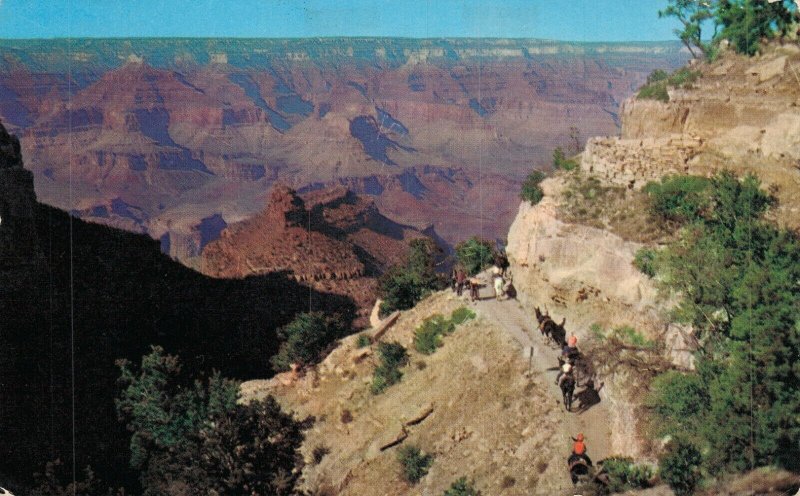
(574, 20)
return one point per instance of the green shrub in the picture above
(625, 475)
(658, 81)
(679, 198)
(363, 341)
(428, 336)
(306, 339)
(461, 487)
(679, 467)
(656, 91)
(392, 356)
(402, 287)
(427, 339)
(745, 22)
(561, 162)
(531, 191)
(414, 463)
(645, 261)
(683, 77)
(475, 255)
(678, 401)
(182, 429)
(631, 337)
(461, 315)
(656, 76)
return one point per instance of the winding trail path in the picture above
(594, 423)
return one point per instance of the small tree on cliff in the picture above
(692, 14)
(475, 254)
(403, 286)
(306, 338)
(192, 437)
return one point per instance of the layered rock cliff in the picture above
(574, 251)
(164, 134)
(741, 114)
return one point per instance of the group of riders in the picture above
(579, 462)
(569, 361)
(461, 280)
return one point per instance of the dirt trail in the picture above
(594, 423)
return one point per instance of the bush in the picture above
(428, 336)
(624, 475)
(678, 401)
(658, 81)
(392, 357)
(531, 191)
(631, 337)
(561, 162)
(645, 261)
(461, 487)
(475, 255)
(427, 339)
(745, 22)
(402, 287)
(657, 91)
(461, 315)
(683, 78)
(679, 198)
(679, 467)
(182, 430)
(414, 463)
(656, 76)
(363, 340)
(306, 339)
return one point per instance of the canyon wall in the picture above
(164, 135)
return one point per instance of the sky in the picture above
(571, 20)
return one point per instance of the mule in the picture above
(580, 468)
(567, 390)
(550, 329)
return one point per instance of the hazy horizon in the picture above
(558, 20)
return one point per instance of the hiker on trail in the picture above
(474, 285)
(461, 277)
(572, 341)
(498, 282)
(453, 279)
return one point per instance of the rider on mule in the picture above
(579, 462)
(566, 370)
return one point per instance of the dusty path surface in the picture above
(594, 423)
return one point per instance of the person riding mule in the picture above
(579, 462)
(566, 382)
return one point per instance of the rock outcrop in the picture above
(742, 114)
(332, 239)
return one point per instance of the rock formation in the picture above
(741, 114)
(332, 239)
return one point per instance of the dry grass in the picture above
(625, 212)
